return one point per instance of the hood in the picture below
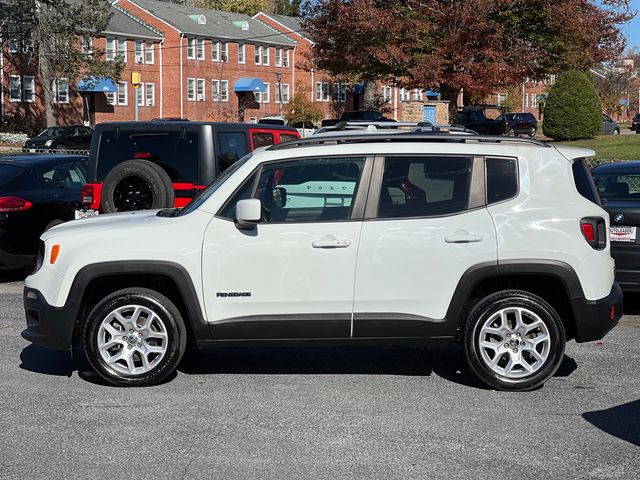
(110, 221)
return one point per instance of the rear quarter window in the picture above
(502, 179)
(584, 181)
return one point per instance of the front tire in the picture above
(134, 337)
(514, 340)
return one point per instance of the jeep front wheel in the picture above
(134, 337)
(514, 340)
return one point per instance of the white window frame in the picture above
(191, 48)
(215, 90)
(139, 52)
(149, 53)
(224, 90)
(139, 94)
(215, 51)
(285, 93)
(224, 52)
(122, 49)
(150, 88)
(200, 49)
(17, 98)
(125, 90)
(265, 56)
(339, 92)
(266, 97)
(318, 94)
(87, 45)
(62, 94)
(278, 59)
(534, 100)
(257, 55)
(191, 89)
(526, 100)
(28, 79)
(241, 53)
(111, 48)
(258, 96)
(111, 98)
(285, 58)
(387, 93)
(14, 45)
(200, 85)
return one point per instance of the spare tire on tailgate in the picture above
(136, 185)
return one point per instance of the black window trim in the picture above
(360, 199)
(477, 187)
(501, 157)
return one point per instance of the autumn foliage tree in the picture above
(478, 45)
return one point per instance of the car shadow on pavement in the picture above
(446, 362)
(9, 276)
(622, 421)
(631, 303)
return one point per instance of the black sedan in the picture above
(60, 138)
(619, 188)
(36, 193)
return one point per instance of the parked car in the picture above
(519, 123)
(609, 126)
(635, 123)
(304, 128)
(36, 193)
(357, 115)
(454, 240)
(60, 138)
(475, 120)
(619, 188)
(158, 164)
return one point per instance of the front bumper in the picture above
(595, 318)
(47, 326)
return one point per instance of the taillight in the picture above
(594, 231)
(86, 193)
(14, 204)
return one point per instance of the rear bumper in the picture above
(47, 326)
(595, 318)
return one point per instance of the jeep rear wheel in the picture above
(134, 337)
(514, 340)
(136, 185)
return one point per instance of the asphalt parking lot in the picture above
(318, 413)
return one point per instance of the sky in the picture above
(632, 29)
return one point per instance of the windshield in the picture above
(213, 186)
(616, 186)
(52, 132)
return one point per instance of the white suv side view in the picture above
(497, 243)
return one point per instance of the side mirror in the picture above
(248, 213)
(279, 197)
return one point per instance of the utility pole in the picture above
(279, 79)
(135, 81)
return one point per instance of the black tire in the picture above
(511, 132)
(519, 380)
(136, 185)
(53, 223)
(532, 132)
(165, 311)
(61, 148)
(616, 131)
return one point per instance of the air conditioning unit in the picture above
(200, 98)
(224, 58)
(149, 103)
(139, 58)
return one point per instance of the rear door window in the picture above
(618, 187)
(232, 148)
(261, 139)
(287, 137)
(176, 153)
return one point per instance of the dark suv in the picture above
(60, 138)
(520, 123)
(635, 123)
(159, 164)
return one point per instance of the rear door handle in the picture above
(462, 236)
(330, 242)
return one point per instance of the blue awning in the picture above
(432, 93)
(249, 85)
(358, 88)
(97, 84)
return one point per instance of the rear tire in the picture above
(136, 185)
(511, 132)
(134, 337)
(514, 340)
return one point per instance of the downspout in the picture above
(161, 82)
(523, 96)
(181, 81)
(292, 62)
(311, 90)
(1, 74)
(395, 101)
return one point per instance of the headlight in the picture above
(48, 143)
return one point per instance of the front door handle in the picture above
(462, 236)
(330, 241)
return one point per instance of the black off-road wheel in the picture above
(134, 337)
(136, 185)
(514, 340)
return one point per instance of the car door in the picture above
(425, 226)
(292, 275)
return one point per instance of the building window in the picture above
(14, 45)
(191, 89)
(241, 53)
(149, 53)
(110, 52)
(200, 90)
(122, 93)
(27, 44)
(534, 100)
(215, 51)
(15, 88)
(322, 91)
(258, 55)
(87, 45)
(502, 97)
(405, 95)
(278, 57)
(139, 51)
(215, 90)
(265, 56)
(191, 48)
(285, 58)
(224, 90)
(224, 52)
(417, 94)
(265, 94)
(29, 89)
(200, 49)
(111, 98)
(526, 100)
(386, 94)
(122, 49)
(139, 94)
(339, 92)
(61, 89)
(285, 93)
(150, 94)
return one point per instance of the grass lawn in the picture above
(610, 148)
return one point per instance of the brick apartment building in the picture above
(198, 64)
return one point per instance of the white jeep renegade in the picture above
(406, 238)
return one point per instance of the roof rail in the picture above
(408, 137)
(370, 125)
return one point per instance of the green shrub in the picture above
(572, 110)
